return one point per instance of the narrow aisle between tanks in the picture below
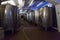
(31, 32)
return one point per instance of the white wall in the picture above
(58, 16)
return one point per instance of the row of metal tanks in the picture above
(42, 17)
(9, 20)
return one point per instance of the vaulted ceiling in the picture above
(54, 1)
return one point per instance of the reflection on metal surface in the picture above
(47, 17)
(5, 11)
(10, 19)
(41, 15)
(37, 16)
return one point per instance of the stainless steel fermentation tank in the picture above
(30, 16)
(43, 16)
(47, 17)
(38, 16)
(2, 8)
(1, 22)
(35, 16)
(10, 18)
(27, 16)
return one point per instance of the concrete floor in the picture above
(31, 32)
